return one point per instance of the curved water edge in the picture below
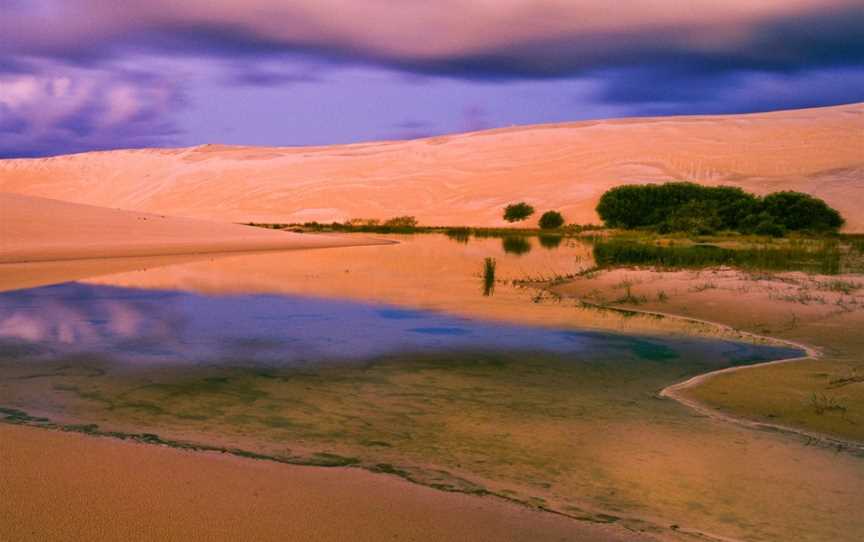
(535, 457)
(653, 526)
(674, 391)
(423, 329)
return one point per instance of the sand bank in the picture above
(64, 486)
(38, 229)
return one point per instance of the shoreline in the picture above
(674, 391)
(587, 521)
(181, 252)
(215, 496)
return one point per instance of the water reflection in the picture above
(550, 242)
(140, 326)
(516, 245)
(460, 235)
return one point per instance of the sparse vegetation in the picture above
(826, 404)
(823, 257)
(401, 222)
(517, 212)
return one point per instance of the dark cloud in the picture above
(785, 40)
(66, 83)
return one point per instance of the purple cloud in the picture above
(56, 108)
(88, 74)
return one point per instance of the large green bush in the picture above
(797, 211)
(700, 209)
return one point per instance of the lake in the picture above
(400, 359)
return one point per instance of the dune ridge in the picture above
(466, 179)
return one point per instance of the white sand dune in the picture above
(38, 229)
(468, 178)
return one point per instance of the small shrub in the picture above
(401, 222)
(551, 220)
(517, 212)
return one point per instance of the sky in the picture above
(79, 75)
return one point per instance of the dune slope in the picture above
(38, 229)
(468, 178)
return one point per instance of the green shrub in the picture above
(516, 212)
(551, 220)
(693, 208)
(796, 211)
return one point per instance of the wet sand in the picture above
(64, 486)
(820, 313)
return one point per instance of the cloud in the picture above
(56, 108)
(70, 77)
(667, 91)
(459, 38)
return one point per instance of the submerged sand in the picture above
(64, 486)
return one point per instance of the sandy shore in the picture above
(65, 486)
(818, 314)
(38, 229)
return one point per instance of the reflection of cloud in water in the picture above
(150, 325)
(80, 317)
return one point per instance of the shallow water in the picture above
(391, 358)
(130, 326)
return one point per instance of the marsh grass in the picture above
(460, 235)
(409, 225)
(826, 404)
(629, 297)
(489, 265)
(813, 256)
(841, 286)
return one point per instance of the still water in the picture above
(392, 358)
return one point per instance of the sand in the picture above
(64, 486)
(467, 179)
(38, 229)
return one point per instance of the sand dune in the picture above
(38, 229)
(467, 178)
